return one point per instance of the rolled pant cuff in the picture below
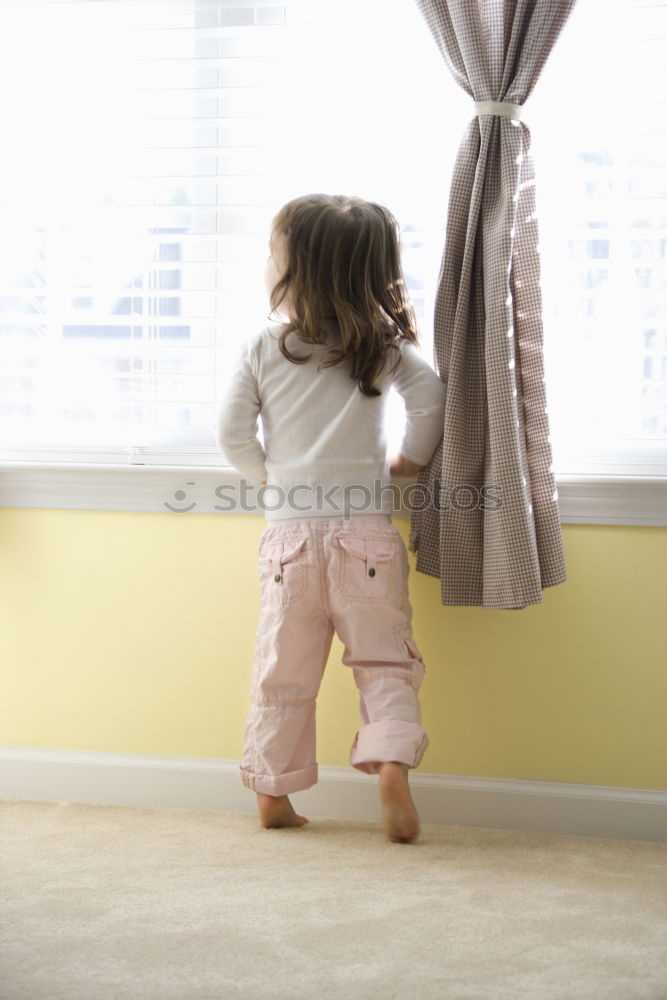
(405, 742)
(279, 784)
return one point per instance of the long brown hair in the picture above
(343, 262)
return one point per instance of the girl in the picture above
(330, 557)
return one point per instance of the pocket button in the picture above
(371, 572)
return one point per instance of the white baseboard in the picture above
(344, 793)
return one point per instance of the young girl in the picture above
(330, 557)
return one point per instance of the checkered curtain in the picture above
(485, 518)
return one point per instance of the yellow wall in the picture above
(133, 633)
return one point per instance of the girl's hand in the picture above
(401, 466)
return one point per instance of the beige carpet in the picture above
(103, 902)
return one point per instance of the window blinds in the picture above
(147, 146)
(602, 206)
(152, 145)
(141, 211)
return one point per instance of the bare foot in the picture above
(277, 810)
(399, 815)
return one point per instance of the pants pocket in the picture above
(283, 569)
(369, 565)
(410, 650)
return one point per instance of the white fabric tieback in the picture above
(502, 108)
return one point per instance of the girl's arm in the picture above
(236, 433)
(424, 396)
(399, 465)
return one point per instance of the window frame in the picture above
(583, 499)
(133, 478)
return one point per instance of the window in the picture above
(148, 147)
(602, 206)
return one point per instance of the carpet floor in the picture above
(105, 902)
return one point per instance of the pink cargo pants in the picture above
(318, 575)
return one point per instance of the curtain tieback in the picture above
(502, 108)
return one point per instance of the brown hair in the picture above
(343, 262)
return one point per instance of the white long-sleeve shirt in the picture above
(325, 442)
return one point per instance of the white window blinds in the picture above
(151, 144)
(599, 126)
(147, 146)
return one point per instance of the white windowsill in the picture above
(583, 499)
